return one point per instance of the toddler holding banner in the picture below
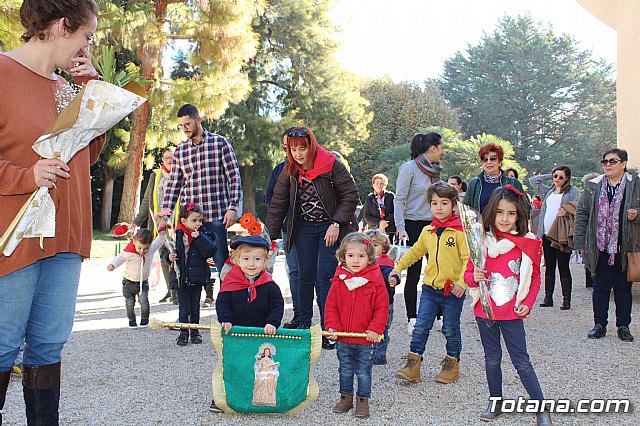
(248, 295)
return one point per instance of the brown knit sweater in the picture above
(26, 111)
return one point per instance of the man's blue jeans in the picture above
(431, 302)
(515, 339)
(355, 359)
(316, 266)
(218, 229)
(291, 266)
(37, 305)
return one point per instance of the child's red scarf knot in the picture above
(236, 280)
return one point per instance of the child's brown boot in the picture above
(362, 407)
(411, 370)
(345, 404)
(450, 370)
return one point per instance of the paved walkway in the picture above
(116, 376)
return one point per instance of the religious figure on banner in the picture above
(266, 376)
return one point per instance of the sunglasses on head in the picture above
(492, 158)
(560, 177)
(297, 132)
(610, 161)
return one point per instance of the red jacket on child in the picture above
(364, 307)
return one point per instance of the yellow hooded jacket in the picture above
(448, 255)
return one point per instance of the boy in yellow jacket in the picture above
(443, 283)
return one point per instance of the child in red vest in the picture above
(357, 302)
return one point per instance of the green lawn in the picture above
(105, 245)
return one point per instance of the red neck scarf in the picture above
(531, 247)
(131, 248)
(186, 231)
(371, 272)
(236, 280)
(165, 169)
(323, 163)
(385, 260)
(452, 222)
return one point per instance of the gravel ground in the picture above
(117, 376)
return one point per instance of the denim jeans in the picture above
(222, 251)
(380, 351)
(610, 277)
(291, 266)
(37, 306)
(130, 290)
(189, 306)
(316, 265)
(432, 302)
(355, 359)
(516, 342)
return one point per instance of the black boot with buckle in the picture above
(41, 390)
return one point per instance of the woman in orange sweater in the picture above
(38, 286)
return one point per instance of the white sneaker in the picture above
(411, 325)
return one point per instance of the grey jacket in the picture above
(411, 195)
(584, 236)
(573, 194)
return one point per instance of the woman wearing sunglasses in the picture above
(606, 228)
(554, 226)
(319, 197)
(491, 178)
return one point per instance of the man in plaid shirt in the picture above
(205, 172)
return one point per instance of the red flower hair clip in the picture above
(514, 190)
(366, 242)
(190, 206)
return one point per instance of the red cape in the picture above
(323, 163)
(453, 222)
(236, 280)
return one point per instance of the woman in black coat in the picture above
(378, 207)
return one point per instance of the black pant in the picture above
(189, 306)
(611, 277)
(553, 257)
(131, 289)
(413, 228)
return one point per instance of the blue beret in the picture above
(252, 240)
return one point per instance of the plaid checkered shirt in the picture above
(206, 174)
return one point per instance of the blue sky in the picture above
(410, 39)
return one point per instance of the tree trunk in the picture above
(133, 174)
(248, 189)
(107, 203)
(149, 53)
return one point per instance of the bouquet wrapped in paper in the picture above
(98, 107)
(474, 233)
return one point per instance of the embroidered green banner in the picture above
(258, 373)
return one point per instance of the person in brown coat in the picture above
(319, 197)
